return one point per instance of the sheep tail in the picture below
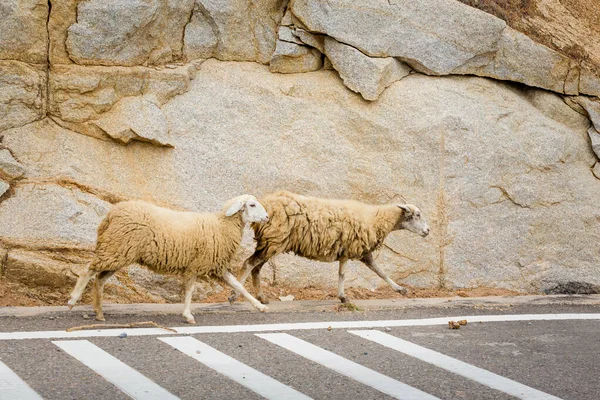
(103, 225)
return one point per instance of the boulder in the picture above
(292, 58)
(138, 118)
(433, 42)
(366, 75)
(520, 59)
(242, 30)
(136, 32)
(23, 33)
(441, 37)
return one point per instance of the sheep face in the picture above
(413, 220)
(251, 209)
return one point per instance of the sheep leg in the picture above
(256, 282)
(82, 282)
(101, 279)
(189, 284)
(341, 278)
(369, 262)
(231, 281)
(249, 265)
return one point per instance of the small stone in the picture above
(462, 322)
(388, 329)
(123, 335)
(365, 353)
(453, 325)
(286, 298)
(198, 352)
(85, 316)
(329, 328)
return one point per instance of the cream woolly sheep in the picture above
(327, 230)
(188, 244)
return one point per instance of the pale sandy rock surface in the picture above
(23, 32)
(591, 107)
(431, 42)
(80, 96)
(103, 101)
(138, 118)
(503, 174)
(443, 37)
(366, 75)
(291, 58)
(242, 30)
(518, 58)
(22, 93)
(571, 27)
(596, 170)
(50, 214)
(9, 167)
(136, 32)
(594, 140)
(4, 186)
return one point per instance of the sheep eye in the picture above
(252, 205)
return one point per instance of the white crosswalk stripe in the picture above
(190, 330)
(233, 369)
(14, 388)
(128, 380)
(469, 371)
(346, 367)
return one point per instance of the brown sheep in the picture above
(327, 230)
(187, 244)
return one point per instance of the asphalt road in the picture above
(403, 352)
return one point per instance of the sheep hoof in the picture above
(191, 321)
(70, 306)
(100, 317)
(232, 299)
(263, 309)
(263, 300)
(343, 299)
(401, 290)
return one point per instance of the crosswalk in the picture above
(13, 387)
(136, 385)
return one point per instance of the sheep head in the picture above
(251, 209)
(412, 220)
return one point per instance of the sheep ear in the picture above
(235, 207)
(406, 209)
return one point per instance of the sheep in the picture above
(327, 230)
(191, 245)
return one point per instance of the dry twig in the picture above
(132, 325)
